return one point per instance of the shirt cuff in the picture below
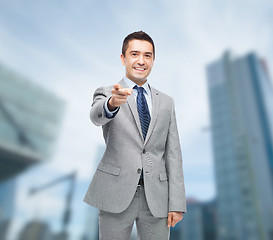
(108, 113)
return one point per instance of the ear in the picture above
(122, 59)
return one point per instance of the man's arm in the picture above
(174, 167)
(98, 114)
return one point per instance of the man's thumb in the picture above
(129, 91)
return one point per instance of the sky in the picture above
(73, 47)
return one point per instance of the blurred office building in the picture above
(30, 119)
(91, 231)
(199, 223)
(7, 198)
(35, 230)
(241, 103)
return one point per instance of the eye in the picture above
(148, 56)
(134, 54)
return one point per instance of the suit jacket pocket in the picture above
(109, 169)
(163, 176)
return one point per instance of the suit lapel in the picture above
(155, 102)
(133, 107)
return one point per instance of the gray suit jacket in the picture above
(115, 180)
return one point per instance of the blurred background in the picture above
(214, 58)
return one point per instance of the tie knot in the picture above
(139, 89)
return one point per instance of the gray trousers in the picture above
(118, 226)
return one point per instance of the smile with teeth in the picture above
(139, 69)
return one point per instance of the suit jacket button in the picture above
(144, 151)
(139, 170)
(100, 115)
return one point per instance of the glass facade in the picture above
(7, 198)
(192, 225)
(242, 146)
(92, 222)
(199, 223)
(30, 119)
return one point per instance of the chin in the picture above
(140, 80)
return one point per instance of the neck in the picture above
(138, 82)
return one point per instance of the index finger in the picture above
(117, 86)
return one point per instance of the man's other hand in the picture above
(174, 218)
(119, 96)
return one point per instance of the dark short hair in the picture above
(140, 35)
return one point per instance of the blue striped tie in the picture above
(143, 110)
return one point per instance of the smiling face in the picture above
(138, 60)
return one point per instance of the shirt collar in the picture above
(131, 84)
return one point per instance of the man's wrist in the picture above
(110, 107)
(108, 112)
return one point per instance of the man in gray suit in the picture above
(140, 176)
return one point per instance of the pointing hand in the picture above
(119, 96)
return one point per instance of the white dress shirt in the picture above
(131, 84)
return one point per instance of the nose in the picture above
(141, 60)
